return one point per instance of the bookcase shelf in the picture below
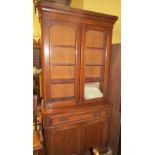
(90, 79)
(56, 81)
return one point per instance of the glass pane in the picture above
(62, 92)
(63, 55)
(94, 72)
(62, 62)
(94, 77)
(94, 56)
(96, 39)
(62, 35)
(62, 72)
(94, 59)
(93, 90)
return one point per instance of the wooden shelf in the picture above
(96, 48)
(94, 65)
(90, 79)
(62, 64)
(63, 46)
(93, 79)
(58, 81)
(60, 99)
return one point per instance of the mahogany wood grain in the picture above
(58, 81)
(62, 72)
(56, 37)
(92, 139)
(62, 55)
(75, 50)
(92, 18)
(107, 63)
(114, 96)
(98, 54)
(62, 90)
(68, 136)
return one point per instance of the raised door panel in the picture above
(61, 81)
(96, 135)
(65, 140)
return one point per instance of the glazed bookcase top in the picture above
(75, 55)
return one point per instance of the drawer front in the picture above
(52, 121)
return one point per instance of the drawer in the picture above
(51, 120)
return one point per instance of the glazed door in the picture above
(62, 43)
(95, 63)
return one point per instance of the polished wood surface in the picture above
(114, 96)
(68, 136)
(86, 127)
(75, 54)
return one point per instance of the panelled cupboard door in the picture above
(96, 135)
(65, 140)
(95, 62)
(62, 41)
